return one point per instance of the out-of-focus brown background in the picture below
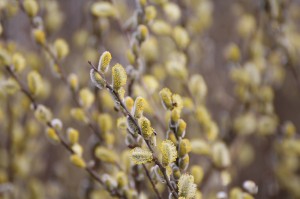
(211, 64)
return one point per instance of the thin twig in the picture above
(152, 183)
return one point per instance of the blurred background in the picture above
(246, 51)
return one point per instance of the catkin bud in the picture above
(105, 122)
(131, 57)
(181, 128)
(61, 48)
(51, 134)
(121, 93)
(186, 186)
(122, 180)
(175, 116)
(129, 103)
(86, 97)
(77, 148)
(146, 128)
(97, 80)
(73, 81)
(140, 156)
(142, 33)
(139, 105)
(42, 113)
(106, 155)
(104, 62)
(172, 11)
(109, 182)
(184, 162)
(289, 129)
(119, 76)
(246, 25)
(169, 152)
(236, 193)
(150, 13)
(56, 124)
(151, 83)
(39, 36)
(232, 52)
(103, 9)
(250, 187)
(198, 86)
(19, 62)
(220, 155)
(78, 114)
(198, 174)
(161, 27)
(35, 83)
(132, 127)
(77, 161)
(200, 147)
(73, 135)
(181, 37)
(31, 7)
(166, 98)
(176, 171)
(9, 86)
(184, 147)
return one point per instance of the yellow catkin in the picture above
(186, 186)
(97, 79)
(35, 83)
(42, 113)
(184, 147)
(146, 128)
(166, 98)
(119, 76)
(19, 62)
(106, 155)
(129, 103)
(103, 9)
(62, 48)
(104, 62)
(142, 32)
(73, 81)
(169, 152)
(73, 135)
(39, 36)
(51, 134)
(77, 161)
(87, 98)
(140, 156)
(31, 7)
(139, 105)
(105, 122)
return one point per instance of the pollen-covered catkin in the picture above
(119, 76)
(140, 156)
(146, 128)
(104, 62)
(168, 151)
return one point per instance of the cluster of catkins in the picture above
(123, 97)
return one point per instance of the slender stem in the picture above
(151, 181)
(23, 89)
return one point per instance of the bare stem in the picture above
(151, 181)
